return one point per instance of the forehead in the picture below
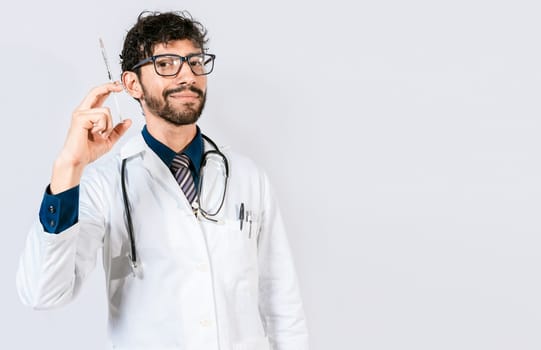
(179, 47)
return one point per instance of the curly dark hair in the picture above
(154, 28)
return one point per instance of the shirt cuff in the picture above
(59, 212)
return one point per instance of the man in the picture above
(194, 250)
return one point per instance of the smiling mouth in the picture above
(184, 92)
(184, 96)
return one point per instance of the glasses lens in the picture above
(167, 65)
(201, 64)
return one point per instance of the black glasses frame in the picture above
(183, 59)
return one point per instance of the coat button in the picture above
(202, 267)
(52, 223)
(52, 209)
(205, 323)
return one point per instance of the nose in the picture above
(185, 75)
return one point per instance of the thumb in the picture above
(119, 130)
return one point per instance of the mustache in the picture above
(191, 88)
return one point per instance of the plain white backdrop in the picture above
(402, 139)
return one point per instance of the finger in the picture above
(96, 119)
(119, 130)
(97, 95)
(99, 127)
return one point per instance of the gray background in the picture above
(421, 118)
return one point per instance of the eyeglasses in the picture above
(168, 65)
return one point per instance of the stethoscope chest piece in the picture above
(136, 269)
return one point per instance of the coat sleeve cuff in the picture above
(59, 212)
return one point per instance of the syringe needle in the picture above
(110, 76)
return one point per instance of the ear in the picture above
(131, 83)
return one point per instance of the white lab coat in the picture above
(203, 285)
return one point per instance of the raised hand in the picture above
(90, 136)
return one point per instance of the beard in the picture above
(163, 109)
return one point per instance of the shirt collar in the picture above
(194, 150)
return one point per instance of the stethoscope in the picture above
(196, 205)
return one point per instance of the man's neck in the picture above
(173, 136)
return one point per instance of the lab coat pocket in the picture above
(242, 239)
(239, 252)
(253, 344)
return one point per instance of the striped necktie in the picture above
(181, 170)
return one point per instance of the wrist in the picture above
(66, 174)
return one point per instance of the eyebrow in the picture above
(171, 53)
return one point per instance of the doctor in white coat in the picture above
(209, 268)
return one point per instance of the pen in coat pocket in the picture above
(241, 215)
(249, 220)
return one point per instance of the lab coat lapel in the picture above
(157, 171)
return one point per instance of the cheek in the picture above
(151, 90)
(149, 84)
(203, 83)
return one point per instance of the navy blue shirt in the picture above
(61, 211)
(194, 151)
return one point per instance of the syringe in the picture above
(104, 54)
